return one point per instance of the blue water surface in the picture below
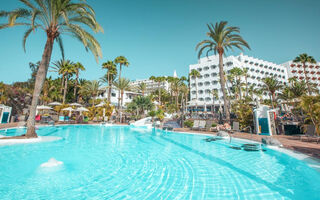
(122, 162)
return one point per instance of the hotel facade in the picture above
(296, 70)
(209, 75)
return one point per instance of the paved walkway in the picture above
(310, 148)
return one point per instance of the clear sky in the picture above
(159, 36)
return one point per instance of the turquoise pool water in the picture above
(126, 163)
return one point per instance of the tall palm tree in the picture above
(222, 38)
(67, 69)
(55, 18)
(159, 80)
(122, 61)
(77, 67)
(271, 85)
(122, 85)
(91, 88)
(236, 74)
(303, 59)
(142, 88)
(195, 74)
(111, 73)
(245, 74)
(215, 96)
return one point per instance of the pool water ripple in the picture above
(124, 163)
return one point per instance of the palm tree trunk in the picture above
(65, 89)
(305, 76)
(41, 76)
(75, 87)
(120, 117)
(62, 82)
(109, 87)
(119, 94)
(196, 93)
(273, 97)
(223, 88)
(159, 93)
(246, 79)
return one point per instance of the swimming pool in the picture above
(120, 162)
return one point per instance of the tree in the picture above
(55, 18)
(159, 80)
(195, 74)
(122, 85)
(305, 58)
(77, 67)
(271, 85)
(110, 76)
(222, 38)
(236, 74)
(91, 88)
(311, 106)
(215, 96)
(142, 88)
(68, 70)
(122, 61)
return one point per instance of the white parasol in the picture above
(55, 104)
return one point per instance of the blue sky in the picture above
(159, 36)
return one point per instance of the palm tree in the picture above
(215, 96)
(77, 66)
(222, 38)
(122, 84)
(67, 69)
(195, 74)
(236, 74)
(159, 80)
(303, 59)
(142, 88)
(110, 76)
(245, 74)
(91, 88)
(271, 85)
(55, 18)
(121, 60)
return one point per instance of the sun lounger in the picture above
(208, 125)
(195, 125)
(310, 134)
(202, 124)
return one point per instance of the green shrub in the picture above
(188, 124)
(213, 125)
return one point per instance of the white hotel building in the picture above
(150, 85)
(296, 70)
(209, 74)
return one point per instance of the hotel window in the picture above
(206, 75)
(213, 66)
(214, 74)
(206, 68)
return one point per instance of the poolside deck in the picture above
(291, 142)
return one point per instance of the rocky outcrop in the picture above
(222, 134)
(271, 141)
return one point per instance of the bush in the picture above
(213, 125)
(188, 124)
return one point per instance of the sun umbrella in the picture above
(81, 109)
(55, 104)
(43, 107)
(100, 104)
(68, 109)
(75, 104)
